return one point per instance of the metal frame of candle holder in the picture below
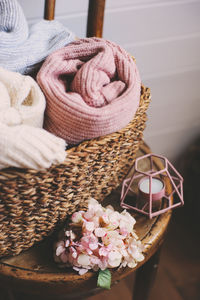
(176, 181)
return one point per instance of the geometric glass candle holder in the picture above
(148, 191)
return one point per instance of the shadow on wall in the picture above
(189, 166)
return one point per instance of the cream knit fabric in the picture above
(24, 97)
(23, 143)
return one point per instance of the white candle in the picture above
(157, 188)
(157, 185)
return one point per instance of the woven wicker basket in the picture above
(32, 203)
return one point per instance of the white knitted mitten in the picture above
(25, 96)
(23, 143)
(29, 147)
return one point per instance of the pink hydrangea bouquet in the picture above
(98, 239)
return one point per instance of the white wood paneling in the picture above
(173, 143)
(153, 22)
(34, 9)
(112, 4)
(174, 113)
(175, 102)
(166, 55)
(128, 24)
(64, 7)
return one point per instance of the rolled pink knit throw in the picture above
(92, 88)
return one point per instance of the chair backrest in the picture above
(94, 19)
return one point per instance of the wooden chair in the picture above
(95, 15)
(33, 274)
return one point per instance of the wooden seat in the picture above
(33, 273)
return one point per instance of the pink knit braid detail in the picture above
(92, 87)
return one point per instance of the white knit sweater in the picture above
(22, 49)
(23, 142)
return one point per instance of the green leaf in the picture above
(104, 279)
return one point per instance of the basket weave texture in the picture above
(33, 203)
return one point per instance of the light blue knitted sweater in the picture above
(22, 50)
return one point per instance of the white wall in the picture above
(164, 36)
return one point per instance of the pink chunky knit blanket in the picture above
(92, 88)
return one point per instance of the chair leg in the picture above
(145, 277)
(6, 294)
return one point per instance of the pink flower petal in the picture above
(77, 217)
(67, 232)
(100, 232)
(67, 242)
(89, 226)
(103, 264)
(74, 254)
(105, 218)
(103, 251)
(93, 246)
(124, 231)
(83, 260)
(82, 271)
(88, 215)
(60, 250)
(89, 251)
